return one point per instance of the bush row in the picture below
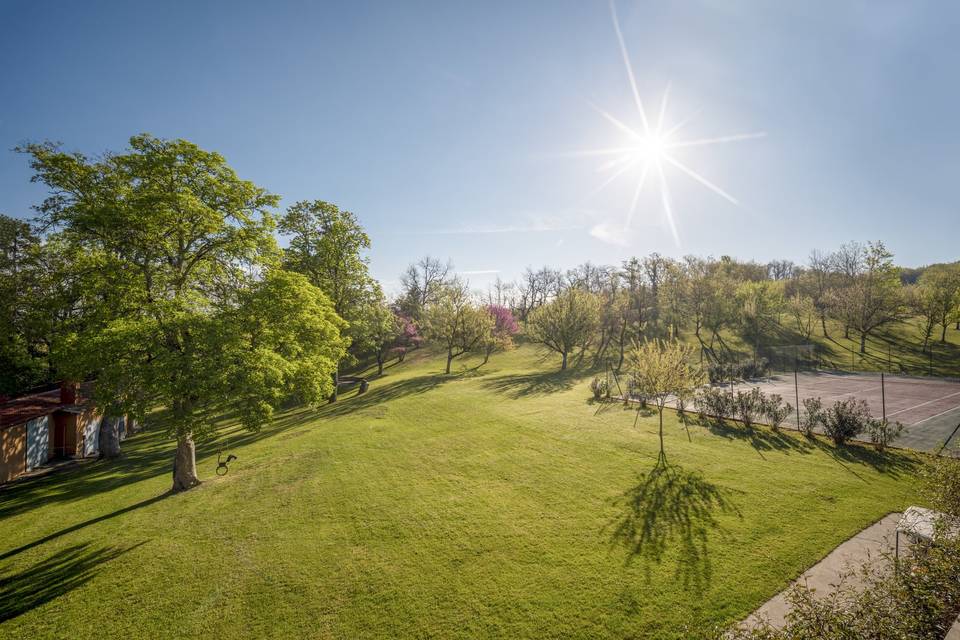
(748, 407)
(842, 422)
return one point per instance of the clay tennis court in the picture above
(929, 408)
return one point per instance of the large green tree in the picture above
(19, 266)
(327, 245)
(192, 313)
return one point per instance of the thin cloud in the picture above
(609, 234)
(535, 228)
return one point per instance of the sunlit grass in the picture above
(497, 501)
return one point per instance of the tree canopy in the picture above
(191, 310)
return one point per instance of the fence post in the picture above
(796, 389)
(883, 396)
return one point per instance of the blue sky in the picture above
(445, 126)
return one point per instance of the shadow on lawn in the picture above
(759, 437)
(53, 577)
(82, 525)
(526, 384)
(671, 510)
(381, 394)
(150, 453)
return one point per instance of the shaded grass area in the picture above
(893, 348)
(497, 501)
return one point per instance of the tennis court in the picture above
(929, 408)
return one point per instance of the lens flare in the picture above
(652, 147)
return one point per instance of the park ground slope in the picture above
(497, 501)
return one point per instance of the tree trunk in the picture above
(943, 333)
(379, 363)
(823, 325)
(336, 384)
(185, 464)
(109, 437)
(863, 342)
(663, 453)
(563, 365)
(449, 359)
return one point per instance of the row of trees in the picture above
(604, 309)
(156, 271)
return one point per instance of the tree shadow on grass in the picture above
(53, 577)
(150, 452)
(671, 511)
(146, 455)
(891, 462)
(82, 525)
(759, 437)
(539, 383)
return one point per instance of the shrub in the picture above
(940, 485)
(846, 419)
(749, 405)
(812, 416)
(750, 369)
(919, 600)
(776, 410)
(883, 433)
(600, 388)
(714, 402)
(685, 399)
(725, 371)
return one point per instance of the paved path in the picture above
(869, 543)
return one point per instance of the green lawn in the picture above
(493, 502)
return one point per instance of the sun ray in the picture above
(606, 166)
(696, 176)
(663, 110)
(589, 153)
(672, 130)
(609, 180)
(636, 195)
(626, 61)
(615, 122)
(720, 140)
(667, 208)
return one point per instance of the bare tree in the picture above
(422, 282)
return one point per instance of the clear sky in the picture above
(447, 126)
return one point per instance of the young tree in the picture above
(327, 246)
(759, 304)
(381, 328)
(922, 302)
(455, 322)
(503, 329)
(660, 369)
(875, 298)
(191, 316)
(818, 281)
(567, 322)
(804, 313)
(941, 287)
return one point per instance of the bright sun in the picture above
(651, 148)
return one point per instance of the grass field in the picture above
(493, 502)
